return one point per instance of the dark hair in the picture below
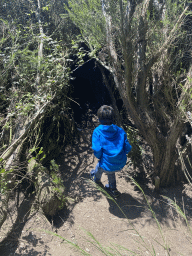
(106, 115)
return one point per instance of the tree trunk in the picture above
(164, 165)
(40, 50)
(165, 154)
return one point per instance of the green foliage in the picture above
(28, 81)
(58, 183)
(136, 153)
(54, 167)
(87, 16)
(4, 178)
(39, 156)
(5, 181)
(53, 72)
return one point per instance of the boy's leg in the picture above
(111, 180)
(96, 173)
(111, 186)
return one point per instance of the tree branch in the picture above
(7, 153)
(167, 42)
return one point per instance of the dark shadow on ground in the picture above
(76, 159)
(125, 206)
(32, 241)
(161, 206)
(10, 243)
(73, 162)
(60, 217)
(130, 207)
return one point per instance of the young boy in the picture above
(110, 146)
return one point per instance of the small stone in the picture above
(21, 245)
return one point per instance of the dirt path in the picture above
(91, 211)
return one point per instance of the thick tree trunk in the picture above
(40, 47)
(165, 154)
(164, 165)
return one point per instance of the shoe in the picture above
(92, 176)
(113, 192)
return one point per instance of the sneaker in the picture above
(113, 192)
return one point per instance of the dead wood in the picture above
(8, 152)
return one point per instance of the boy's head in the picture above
(106, 115)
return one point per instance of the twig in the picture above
(81, 65)
(7, 153)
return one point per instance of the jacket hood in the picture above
(108, 131)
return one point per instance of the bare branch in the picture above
(7, 153)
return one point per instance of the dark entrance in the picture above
(89, 91)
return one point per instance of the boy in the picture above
(110, 146)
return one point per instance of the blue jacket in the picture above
(110, 145)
